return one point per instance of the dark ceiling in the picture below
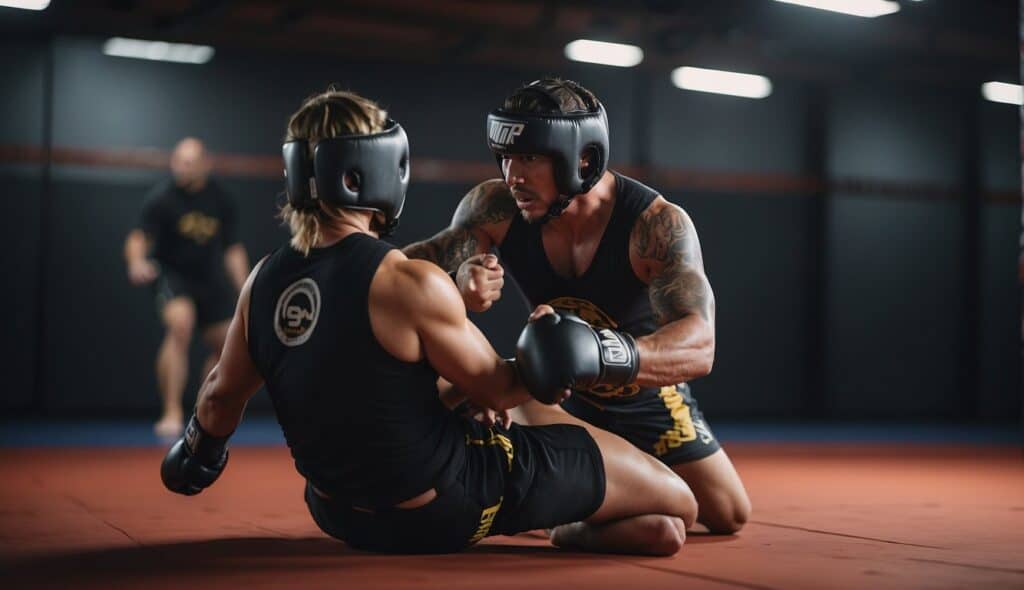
(941, 42)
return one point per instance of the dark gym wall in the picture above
(895, 263)
(896, 266)
(756, 246)
(1000, 294)
(22, 66)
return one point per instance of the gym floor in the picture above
(834, 507)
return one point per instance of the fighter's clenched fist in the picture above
(480, 279)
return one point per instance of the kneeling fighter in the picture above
(598, 244)
(350, 337)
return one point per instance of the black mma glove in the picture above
(195, 461)
(560, 351)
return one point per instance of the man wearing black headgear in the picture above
(350, 337)
(600, 247)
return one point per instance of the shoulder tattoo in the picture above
(667, 240)
(486, 203)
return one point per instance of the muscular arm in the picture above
(480, 222)
(452, 344)
(228, 387)
(236, 263)
(666, 254)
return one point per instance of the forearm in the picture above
(218, 412)
(449, 395)
(503, 391)
(678, 352)
(135, 246)
(447, 249)
(236, 263)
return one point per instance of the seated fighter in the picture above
(595, 243)
(350, 338)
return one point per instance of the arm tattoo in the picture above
(447, 249)
(487, 203)
(678, 287)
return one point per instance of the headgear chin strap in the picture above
(562, 137)
(379, 163)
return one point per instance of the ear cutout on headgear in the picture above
(352, 181)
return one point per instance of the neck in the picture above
(336, 229)
(193, 187)
(585, 208)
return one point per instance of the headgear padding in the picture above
(562, 137)
(379, 163)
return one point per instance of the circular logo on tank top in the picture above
(298, 309)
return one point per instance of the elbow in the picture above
(706, 360)
(702, 369)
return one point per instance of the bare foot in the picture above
(169, 427)
(568, 536)
(539, 534)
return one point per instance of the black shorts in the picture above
(214, 298)
(665, 423)
(514, 480)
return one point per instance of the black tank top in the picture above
(361, 425)
(609, 294)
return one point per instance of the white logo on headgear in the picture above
(297, 311)
(504, 134)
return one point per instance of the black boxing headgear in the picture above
(565, 138)
(378, 162)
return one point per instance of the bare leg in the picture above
(214, 336)
(637, 485)
(172, 364)
(724, 504)
(650, 534)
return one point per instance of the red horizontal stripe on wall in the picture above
(463, 172)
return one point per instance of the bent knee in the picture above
(726, 518)
(686, 503)
(667, 535)
(179, 325)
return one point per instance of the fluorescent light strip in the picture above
(601, 52)
(864, 8)
(26, 4)
(721, 82)
(158, 50)
(1003, 92)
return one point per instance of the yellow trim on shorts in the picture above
(682, 422)
(486, 520)
(495, 439)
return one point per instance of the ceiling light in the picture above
(26, 4)
(1003, 92)
(721, 82)
(865, 8)
(158, 50)
(601, 52)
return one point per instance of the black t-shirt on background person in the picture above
(190, 231)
